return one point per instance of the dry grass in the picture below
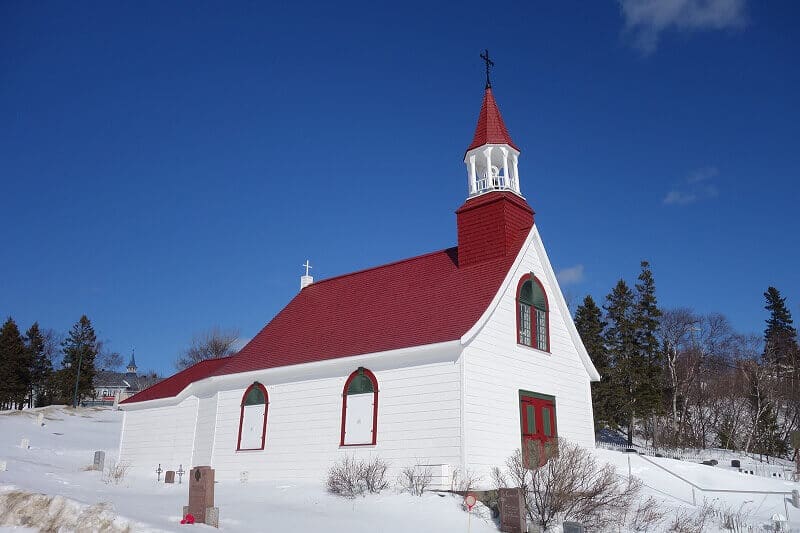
(115, 474)
(51, 514)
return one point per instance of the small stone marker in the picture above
(40, 419)
(201, 491)
(573, 527)
(212, 516)
(25, 444)
(169, 477)
(99, 460)
(736, 463)
(512, 511)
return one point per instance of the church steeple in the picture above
(492, 157)
(495, 214)
(132, 364)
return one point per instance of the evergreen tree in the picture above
(80, 349)
(41, 367)
(623, 351)
(13, 366)
(646, 316)
(780, 337)
(590, 325)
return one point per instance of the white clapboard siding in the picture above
(162, 435)
(204, 436)
(418, 422)
(497, 368)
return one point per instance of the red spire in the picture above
(490, 129)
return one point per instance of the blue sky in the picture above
(168, 166)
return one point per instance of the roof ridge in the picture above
(392, 263)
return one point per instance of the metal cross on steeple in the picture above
(307, 265)
(489, 63)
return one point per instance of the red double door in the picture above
(538, 428)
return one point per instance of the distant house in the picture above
(113, 387)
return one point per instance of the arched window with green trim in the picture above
(533, 320)
(360, 409)
(253, 418)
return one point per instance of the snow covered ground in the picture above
(76, 498)
(63, 448)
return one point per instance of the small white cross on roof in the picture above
(307, 265)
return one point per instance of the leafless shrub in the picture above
(374, 474)
(115, 474)
(464, 482)
(351, 477)
(570, 485)
(415, 479)
(647, 515)
(691, 521)
(345, 478)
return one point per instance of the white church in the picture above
(452, 359)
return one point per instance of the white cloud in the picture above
(698, 185)
(647, 19)
(570, 275)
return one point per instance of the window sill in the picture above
(358, 446)
(250, 450)
(535, 349)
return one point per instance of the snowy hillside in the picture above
(61, 451)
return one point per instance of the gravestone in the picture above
(3, 466)
(573, 527)
(99, 460)
(212, 516)
(201, 491)
(512, 511)
(796, 498)
(40, 419)
(169, 477)
(25, 444)
(736, 463)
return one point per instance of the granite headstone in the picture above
(99, 460)
(201, 491)
(169, 477)
(512, 511)
(573, 527)
(212, 516)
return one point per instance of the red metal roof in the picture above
(176, 383)
(490, 129)
(414, 302)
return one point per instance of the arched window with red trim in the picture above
(360, 409)
(533, 314)
(253, 418)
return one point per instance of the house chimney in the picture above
(306, 280)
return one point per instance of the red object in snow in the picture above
(188, 519)
(470, 500)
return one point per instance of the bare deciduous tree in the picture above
(212, 344)
(571, 485)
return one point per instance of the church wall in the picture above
(418, 419)
(162, 435)
(204, 436)
(497, 368)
